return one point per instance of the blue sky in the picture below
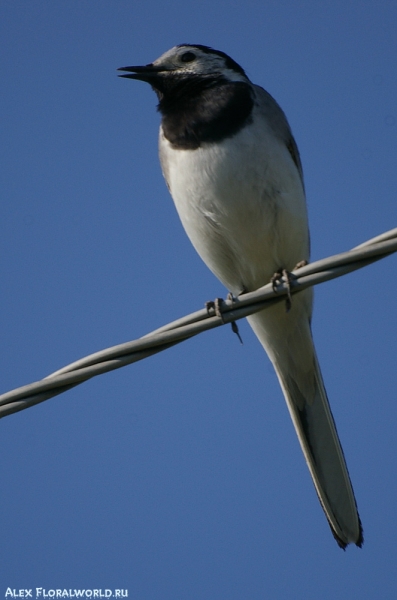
(181, 476)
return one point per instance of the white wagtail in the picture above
(233, 169)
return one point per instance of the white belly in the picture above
(242, 207)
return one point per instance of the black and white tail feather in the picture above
(311, 415)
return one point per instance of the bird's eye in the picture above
(188, 57)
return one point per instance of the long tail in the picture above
(288, 341)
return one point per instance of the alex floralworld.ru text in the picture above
(62, 593)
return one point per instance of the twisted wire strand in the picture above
(173, 333)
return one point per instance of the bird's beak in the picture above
(148, 73)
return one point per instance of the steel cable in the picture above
(173, 333)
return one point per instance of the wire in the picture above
(173, 333)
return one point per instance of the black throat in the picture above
(202, 109)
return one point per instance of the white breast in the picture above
(242, 204)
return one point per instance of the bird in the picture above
(234, 171)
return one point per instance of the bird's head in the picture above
(186, 62)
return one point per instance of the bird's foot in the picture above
(216, 306)
(279, 277)
(284, 276)
(233, 323)
(300, 264)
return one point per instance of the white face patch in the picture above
(203, 63)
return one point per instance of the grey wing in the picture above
(277, 120)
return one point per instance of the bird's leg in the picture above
(216, 305)
(300, 264)
(233, 323)
(282, 275)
